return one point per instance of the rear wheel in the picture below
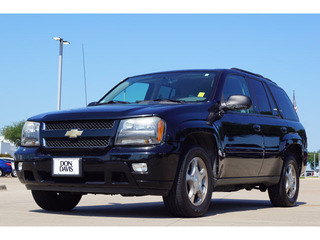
(285, 193)
(56, 201)
(14, 173)
(1, 172)
(191, 193)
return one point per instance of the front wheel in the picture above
(191, 193)
(56, 201)
(285, 193)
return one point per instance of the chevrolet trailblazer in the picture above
(180, 134)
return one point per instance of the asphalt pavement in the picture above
(242, 208)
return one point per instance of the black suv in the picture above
(180, 134)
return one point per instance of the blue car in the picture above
(5, 167)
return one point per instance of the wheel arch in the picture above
(295, 148)
(208, 140)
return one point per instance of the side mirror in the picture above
(237, 102)
(92, 104)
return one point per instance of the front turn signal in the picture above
(160, 130)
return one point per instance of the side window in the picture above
(236, 85)
(133, 93)
(274, 107)
(284, 104)
(261, 96)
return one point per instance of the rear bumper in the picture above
(7, 170)
(111, 173)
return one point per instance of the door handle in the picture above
(284, 130)
(257, 128)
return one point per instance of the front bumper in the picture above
(109, 173)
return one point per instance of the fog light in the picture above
(20, 166)
(140, 167)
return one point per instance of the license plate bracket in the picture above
(67, 167)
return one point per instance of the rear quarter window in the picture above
(285, 105)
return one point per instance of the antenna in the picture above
(84, 75)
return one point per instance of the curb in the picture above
(3, 188)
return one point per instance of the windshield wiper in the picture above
(168, 100)
(114, 101)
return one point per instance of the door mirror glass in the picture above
(237, 102)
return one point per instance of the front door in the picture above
(240, 134)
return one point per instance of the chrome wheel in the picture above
(197, 181)
(291, 181)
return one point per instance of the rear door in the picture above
(273, 128)
(279, 130)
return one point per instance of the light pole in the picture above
(314, 162)
(60, 68)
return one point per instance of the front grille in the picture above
(83, 125)
(85, 142)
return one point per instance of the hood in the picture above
(114, 111)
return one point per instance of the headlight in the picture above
(30, 134)
(140, 131)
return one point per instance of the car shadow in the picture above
(158, 210)
(221, 206)
(133, 210)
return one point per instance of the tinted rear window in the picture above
(262, 98)
(274, 107)
(284, 103)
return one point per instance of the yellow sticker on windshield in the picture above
(201, 94)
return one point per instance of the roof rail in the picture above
(255, 74)
(241, 70)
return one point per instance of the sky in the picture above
(282, 47)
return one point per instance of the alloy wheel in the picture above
(197, 181)
(291, 181)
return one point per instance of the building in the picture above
(7, 147)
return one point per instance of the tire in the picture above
(1, 172)
(285, 193)
(191, 192)
(14, 173)
(56, 201)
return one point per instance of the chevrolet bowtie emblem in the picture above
(73, 133)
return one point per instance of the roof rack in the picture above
(241, 70)
(255, 74)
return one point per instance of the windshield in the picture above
(176, 87)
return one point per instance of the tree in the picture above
(13, 132)
(311, 158)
